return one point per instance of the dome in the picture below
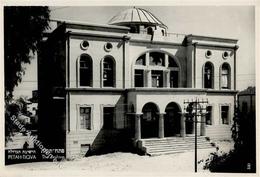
(136, 16)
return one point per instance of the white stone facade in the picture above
(171, 70)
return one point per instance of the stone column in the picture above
(202, 125)
(137, 126)
(183, 125)
(167, 79)
(148, 78)
(161, 125)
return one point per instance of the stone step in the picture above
(173, 140)
(178, 144)
(175, 148)
(171, 152)
(157, 146)
(175, 144)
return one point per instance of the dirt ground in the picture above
(122, 162)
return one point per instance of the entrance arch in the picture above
(150, 121)
(172, 119)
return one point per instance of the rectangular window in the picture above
(225, 114)
(139, 78)
(108, 118)
(209, 115)
(174, 79)
(85, 117)
(157, 78)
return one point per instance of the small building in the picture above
(246, 100)
(101, 85)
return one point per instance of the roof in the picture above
(248, 91)
(86, 24)
(135, 16)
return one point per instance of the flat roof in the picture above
(89, 24)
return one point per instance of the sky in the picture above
(236, 22)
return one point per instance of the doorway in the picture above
(172, 120)
(108, 118)
(150, 121)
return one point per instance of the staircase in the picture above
(156, 146)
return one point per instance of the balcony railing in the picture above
(168, 37)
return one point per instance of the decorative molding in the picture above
(208, 53)
(207, 38)
(84, 45)
(225, 55)
(108, 47)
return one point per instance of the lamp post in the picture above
(192, 109)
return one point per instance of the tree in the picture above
(23, 31)
(243, 157)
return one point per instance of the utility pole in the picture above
(192, 109)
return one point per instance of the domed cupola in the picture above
(139, 20)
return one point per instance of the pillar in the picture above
(183, 125)
(148, 72)
(149, 78)
(167, 79)
(202, 125)
(161, 126)
(137, 126)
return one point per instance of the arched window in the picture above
(108, 72)
(156, 69)
(208, 74)
(225, 76)
(85, 71)
(139, 73)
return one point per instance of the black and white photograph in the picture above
(129, 89)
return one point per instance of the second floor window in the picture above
(139, 78)
(85, 71)
(208, 75)
(225, 76)
(157, 69)
(108, 72)
(157, 78)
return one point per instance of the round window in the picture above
(225, 55)
(208, 53)
(84, 45)
(108, 47)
